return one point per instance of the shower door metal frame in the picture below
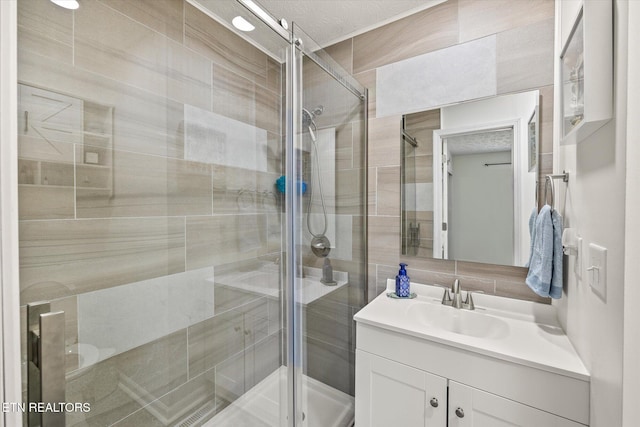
(10, 372)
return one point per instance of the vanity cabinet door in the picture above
(392, 394)
(470, 407)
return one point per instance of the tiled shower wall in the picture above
(523, 32)
(127, 230)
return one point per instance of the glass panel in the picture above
(410, 225)
(331, 283)
(151, 139)
(573, 79)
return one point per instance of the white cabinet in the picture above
(389, 393)
(470, 407)
(586, 68)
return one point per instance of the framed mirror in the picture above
(468, 180)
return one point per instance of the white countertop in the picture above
(532, 335)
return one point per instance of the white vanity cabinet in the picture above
(393, 394)
(481, 409)
(389, 394)
(441, 370)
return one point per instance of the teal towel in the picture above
(545, 263)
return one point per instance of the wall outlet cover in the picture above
(597, 270)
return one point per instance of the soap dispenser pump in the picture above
(402, 282)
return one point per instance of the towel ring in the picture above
(548, 183)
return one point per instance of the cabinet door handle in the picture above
(460, 412)
(434, 402)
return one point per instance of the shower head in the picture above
(308, 120)
(309, 116)
(317, 111)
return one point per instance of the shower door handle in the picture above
(45, 370)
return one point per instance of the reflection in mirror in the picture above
(468, 180)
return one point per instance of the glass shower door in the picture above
(150, 141)
(329, 167)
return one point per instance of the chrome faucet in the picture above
(453, 297)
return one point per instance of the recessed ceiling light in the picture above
(67, 4)
(242, 24)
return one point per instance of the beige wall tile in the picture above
(349, 192)
(329, 364)
(372, 189)
(388, 197)
(384, 141)
(46, 20)
(216, 42)
(499, 272)
(243, 191)
(426, 31)
(109, 44)
(215, 340)
(238, 98)
(344, 146)
(164, 16)
(34, 44)
(546, 119)
(61, 258)
(525, 57)
(39, 202)
(485, 17)
(384, 239)
(328, 321)
(225, 238)
(518, 290)
(384, 273)
(371, 281)
(433, 265)
(145, 186)
(424, 169)
(342, 53)
(546, 163)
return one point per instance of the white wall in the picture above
(593, 204)
(631, 367)
(481, 209)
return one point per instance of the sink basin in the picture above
(458, 321)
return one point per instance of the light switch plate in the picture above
(597, 270)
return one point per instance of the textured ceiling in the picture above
(484, 142)
(330, 21)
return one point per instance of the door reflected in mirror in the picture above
(468, 180)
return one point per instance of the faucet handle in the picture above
(446, 297)
(468, 302)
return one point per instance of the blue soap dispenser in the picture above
(402, 282)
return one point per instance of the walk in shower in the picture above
(193, 197)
